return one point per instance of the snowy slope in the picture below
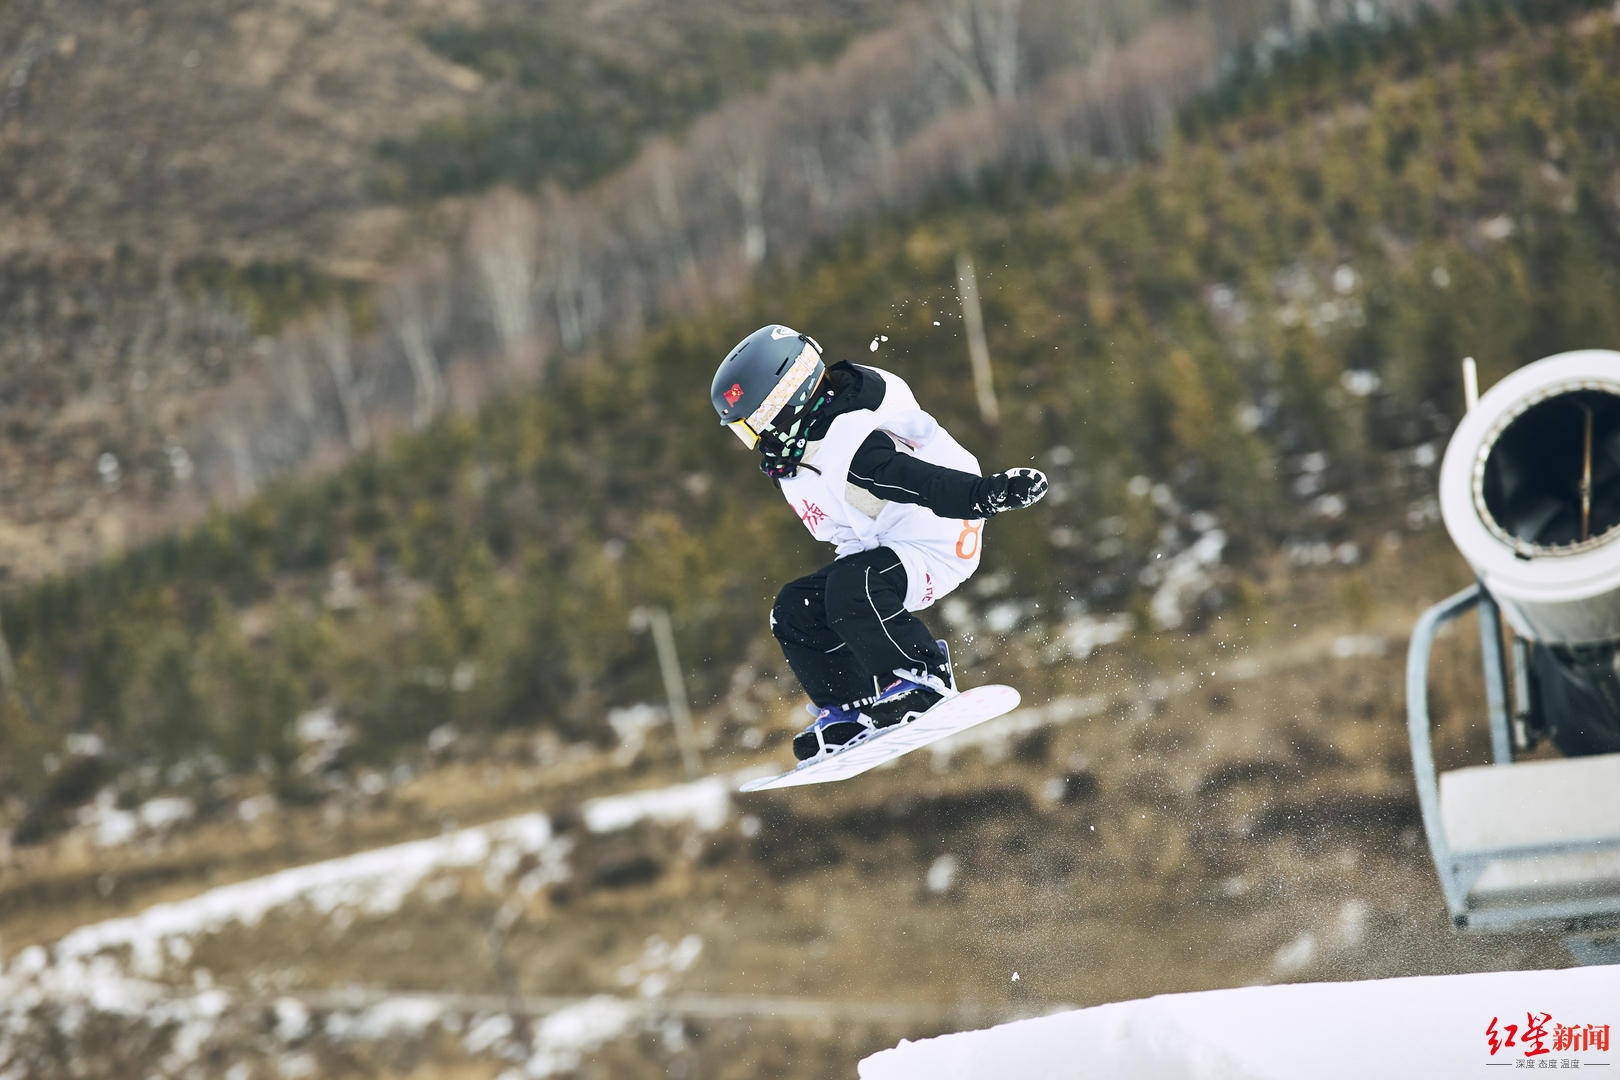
(1430, 1027)
(139, 970)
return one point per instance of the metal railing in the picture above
(1585, 920)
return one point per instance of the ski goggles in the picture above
(793, 389)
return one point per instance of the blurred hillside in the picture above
(1246, 346)
(279, 255)
(276, 131)
(179, 182)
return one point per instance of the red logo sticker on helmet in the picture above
(734, 393)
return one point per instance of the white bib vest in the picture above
(938, 553)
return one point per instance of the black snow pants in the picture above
(845, 629)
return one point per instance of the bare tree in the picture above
(565, 271)
(951, 89)
(981, 42)
(501, 243)
(881, 139)
(667, 198)
(743, 170)
(415, 306)
(1061, 132)
(334, 343)
(1304, 16)
(233, 434)
(1109, 102)
(296, 385)
(1237, 22)
(812, 169)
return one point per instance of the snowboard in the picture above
(965, 710)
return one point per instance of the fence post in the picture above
(967, 287)
(656, 619)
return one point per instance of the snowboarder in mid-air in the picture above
(868, 471)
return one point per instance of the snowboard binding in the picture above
(910, 695)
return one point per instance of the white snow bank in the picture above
(1433, 1027)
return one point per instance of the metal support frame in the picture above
(1418, 730)
(1591, 933)
(1526, 729)
(1496, 681)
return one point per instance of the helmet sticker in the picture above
(734, 393)
(779, 332)
(800, 371)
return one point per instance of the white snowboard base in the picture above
(959, 713)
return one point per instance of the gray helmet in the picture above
(766, 382)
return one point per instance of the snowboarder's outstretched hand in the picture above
(1011, 490)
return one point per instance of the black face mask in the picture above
(782, 448)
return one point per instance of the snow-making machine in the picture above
(1530, 494)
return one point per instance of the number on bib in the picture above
(967, 545)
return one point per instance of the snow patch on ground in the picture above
(124, 967)
(1187, 576)
(659, 961)
(487, 1032)
(1083, 634)
(113, 967)
(705, 803)
(376, 882)
(110, 965)
(1426, 1026)
(632, 725)
(111, 826)
(390, 1018)
(567, 1035)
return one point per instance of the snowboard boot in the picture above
(910, 695)
(834, 728)
(947, 672)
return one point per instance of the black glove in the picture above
(1010, 490)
